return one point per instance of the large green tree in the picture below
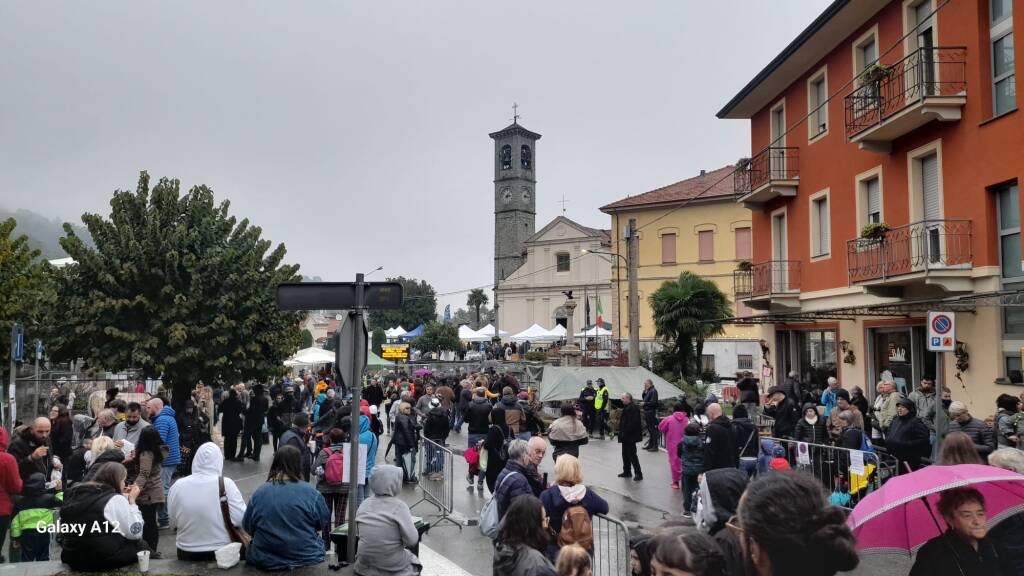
(438, 337)
(419, 306)
(176, 288)
(468, 317)
(477, 298)
(687, 311)
(25, 290)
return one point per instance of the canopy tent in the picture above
(558, 330)
(489, 331)
(394, 332)
(414, 333)
(467, 334)
(535, 333)
(310, 356)
(374, 360)
(594, 332)
(565, 383)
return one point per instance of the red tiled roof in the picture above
(720, 183)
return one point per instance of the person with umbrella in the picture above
(963, 550)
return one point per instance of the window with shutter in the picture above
(743, 243)
(821, 226)
(706, 245)
(930, 187)
(873, 191)
(668, 248)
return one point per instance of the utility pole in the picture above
(632, 255)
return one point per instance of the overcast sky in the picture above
(356, 132)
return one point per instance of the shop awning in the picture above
(967, 303)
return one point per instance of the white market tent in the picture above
(595, 332)
(489, 331)
(394, 332)
(535, 333)
(310, 356)
(467, 334)
(564, 383)
(558, 330)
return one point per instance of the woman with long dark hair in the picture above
(522, 540)
(494, 443)
(102, 501)
(786, 526)
(62, 432)
(285, 517)
(150, 484)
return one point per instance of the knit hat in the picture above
(843, 393)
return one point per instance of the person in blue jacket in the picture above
(285, 517)
(163, 419)
(567, 492)
(367, 437)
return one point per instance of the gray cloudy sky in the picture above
(356, 132)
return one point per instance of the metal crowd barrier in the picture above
(436, 479)
(611, 546)
(831, 466)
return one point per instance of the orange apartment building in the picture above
(900, 114)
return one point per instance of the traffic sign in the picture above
(338, 296)
(18, 343)
(394, 351)
(941, 332)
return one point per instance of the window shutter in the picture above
(743, 243)
(930, 187)
(822, 207)
(668, 248)
(706, 243)
(874, 194)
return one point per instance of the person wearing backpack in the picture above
(329, 468)
(570, 505)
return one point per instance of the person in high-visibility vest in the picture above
(601, 406)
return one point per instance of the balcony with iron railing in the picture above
(936, 252)
(773, 172)
(892, 100)
(774, 284)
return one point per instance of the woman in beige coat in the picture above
(149, 454)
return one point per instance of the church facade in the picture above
(558, 258)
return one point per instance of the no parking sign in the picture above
(941, 331)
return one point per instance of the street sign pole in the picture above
(354, 363)
(17, 351)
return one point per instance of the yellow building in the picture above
(694, 225)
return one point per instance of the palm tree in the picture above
(688, 311)
(477, 298)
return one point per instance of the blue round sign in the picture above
(942, 324)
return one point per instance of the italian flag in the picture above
(600, 313)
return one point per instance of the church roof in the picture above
(604, 235)
(514, 128)
(713, 185)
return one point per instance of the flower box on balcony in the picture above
(874, 231)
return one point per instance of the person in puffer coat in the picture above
(386, 529)
(810, 427)
(691, 451)
(908, 437)
(102, 501)
(673, 428)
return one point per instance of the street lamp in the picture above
(377, 269)
(618, 289)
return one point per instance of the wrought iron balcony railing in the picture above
(920, 246)
(772, 163)
(767, 278)
(885, 90)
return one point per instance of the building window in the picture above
(819, 226)
(1013, 370)
(872, 196)
(506, 157)
(1004, 85)
(526, 157)
(1008, 206)
(865, 54)
(668, 248)
(707, 362)
(562, 262)
(744, 362)
(706, 245)
(817, 105)
(743, 244)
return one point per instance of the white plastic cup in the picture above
(332, 559)
(144, 561)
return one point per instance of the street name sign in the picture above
(394, 351)
(941, 332)
(338, 296)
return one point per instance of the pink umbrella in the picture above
(896, 518)
(423, 372)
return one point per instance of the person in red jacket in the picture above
(10, 483)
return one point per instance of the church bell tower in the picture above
(515, 202)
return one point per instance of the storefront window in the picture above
(817, 357)
(901, 352)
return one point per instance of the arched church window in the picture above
(506, 157)
(526, 157)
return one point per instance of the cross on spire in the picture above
(515, 113)
(563, 202)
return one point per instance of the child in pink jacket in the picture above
(672, 428)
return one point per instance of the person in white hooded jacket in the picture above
(194, 505)
(386, 528)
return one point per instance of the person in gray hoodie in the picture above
(386, 529)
